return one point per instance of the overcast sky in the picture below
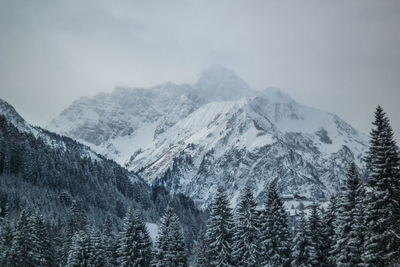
(340, 56)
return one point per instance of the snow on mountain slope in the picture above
(251, 140)
(13, 117)
(218, 132)
(11, 114)
(117, 123)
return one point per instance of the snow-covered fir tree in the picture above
(316, 238)
(22, 243)
(246, 249)
(382, 214)
(76, 223)
(358, 230)
(275, 235)
(329, 223)
(109, 244)
(43, 253)
(96, 249)
(76, 220)
(219, 233)
(78, 255)
(135, 246)
(6, 237)
(345, 218)
(201, 253)
(170, 248)
(301, 245)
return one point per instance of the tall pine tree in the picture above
(316, 239)
(135, 244)
(345, 218)
(358, 230)
(201, 253)
(220, 231)
(275, 235)
(6, 237)
(170, 246)
(22, 243)
(109, 243)
(301, 245)
(383, 196)
(96, 249)
(78, 254)
(76, 223)
(246, 234)
(329, 223)
(43, 253)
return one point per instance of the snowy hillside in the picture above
(217, 132)
(46, 172)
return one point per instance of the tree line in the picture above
(30, 242)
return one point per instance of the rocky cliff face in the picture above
(217, 132)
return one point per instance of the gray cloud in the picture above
(341, 56)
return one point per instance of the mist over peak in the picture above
(221, 84)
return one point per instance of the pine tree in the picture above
(76, 223)
(22, 243)
(201, 253)
(345, 218)
(96, 252)
(275, 233)
(329, 223)
(358, 230)
(135, 245)
(316, 239)
(220, 231)
(382, 219)
(43, 248)
(301, 245)
(6, 237)
(76, 220)
(78, 253)
(170, 246)
(246, 234)
(109, 243)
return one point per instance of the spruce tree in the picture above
(358, 230)
(43, 253)
(135, 244)
(301, 245)
(76, 223)
(275, 235)
(96, 252)
(246, 234)
(6, 237)
(109, 243)
(201, 253)
(22, 243)
(345, 218)
(316, 238)
(329, 223)
(220, 231)
(76, 220)
(382, 200)
(78, 254)
(170, 246)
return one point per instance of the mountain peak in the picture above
(276, 95)
(12, 116)
(218, 83)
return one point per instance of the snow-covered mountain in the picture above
(44, 172)
(217, 132)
